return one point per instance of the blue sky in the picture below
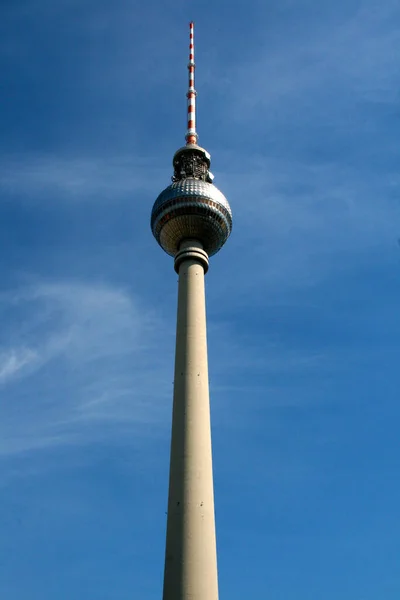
(298, 105)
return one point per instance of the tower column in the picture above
(190, 557)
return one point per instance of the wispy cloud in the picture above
(304, 223)
(89, 356)
(15, 361)
(353, 55)
(42, 177)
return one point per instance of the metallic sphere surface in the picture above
(191, 209)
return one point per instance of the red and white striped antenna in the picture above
(191, 134)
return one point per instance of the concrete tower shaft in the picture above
(190, 557)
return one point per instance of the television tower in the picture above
(191, 220)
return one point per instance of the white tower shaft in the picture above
(190, 558)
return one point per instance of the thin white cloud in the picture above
(43, 178)
(14, 361)
(349, 56)
(93, 359)
(303, 223)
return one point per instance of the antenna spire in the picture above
(191, 135)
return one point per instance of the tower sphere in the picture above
(191, 208)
